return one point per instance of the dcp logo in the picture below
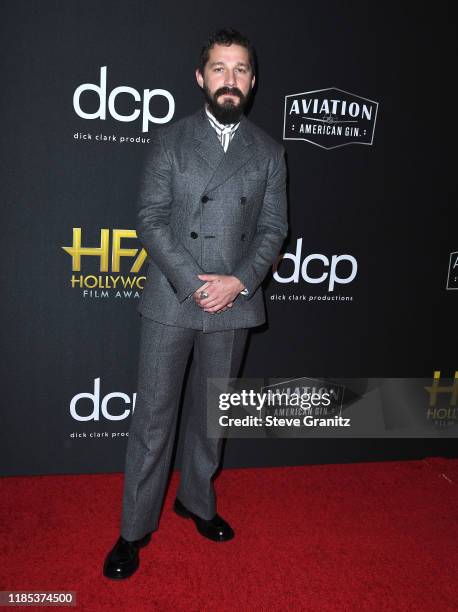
(100, 405)
(332, 270)
(101, 91)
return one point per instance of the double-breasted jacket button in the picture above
(194, 234)
(243, 200)
(242, 237)
(204, 199)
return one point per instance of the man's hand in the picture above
(222, 290)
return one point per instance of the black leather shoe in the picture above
(123, 559)
(215, 529)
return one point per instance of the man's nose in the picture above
(230, 78)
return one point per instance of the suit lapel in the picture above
(206, 141)
(221, 165)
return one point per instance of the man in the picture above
(212, 218)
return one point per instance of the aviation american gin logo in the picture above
(329, 118)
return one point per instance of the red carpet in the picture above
(375, 537)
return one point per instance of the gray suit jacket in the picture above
(201, 210)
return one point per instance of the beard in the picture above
(227, 111)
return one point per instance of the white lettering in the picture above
(101, 91)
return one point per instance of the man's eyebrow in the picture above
(221, 62)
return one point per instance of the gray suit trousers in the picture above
(164, 353)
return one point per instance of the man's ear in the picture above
(252, 81)
(199, 78)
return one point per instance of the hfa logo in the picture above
(108, 256)
(443, 414)
(329, 118)
(452, 277)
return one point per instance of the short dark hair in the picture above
(227, 36)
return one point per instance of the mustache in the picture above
(229, 90)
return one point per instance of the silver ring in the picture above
(203, 295)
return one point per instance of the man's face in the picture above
(227, 82)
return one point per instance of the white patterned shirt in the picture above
(225, 132)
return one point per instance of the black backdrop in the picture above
(389, 204)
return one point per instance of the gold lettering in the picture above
(76, 250)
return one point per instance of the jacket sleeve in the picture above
(271, 231)
(153, 223)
